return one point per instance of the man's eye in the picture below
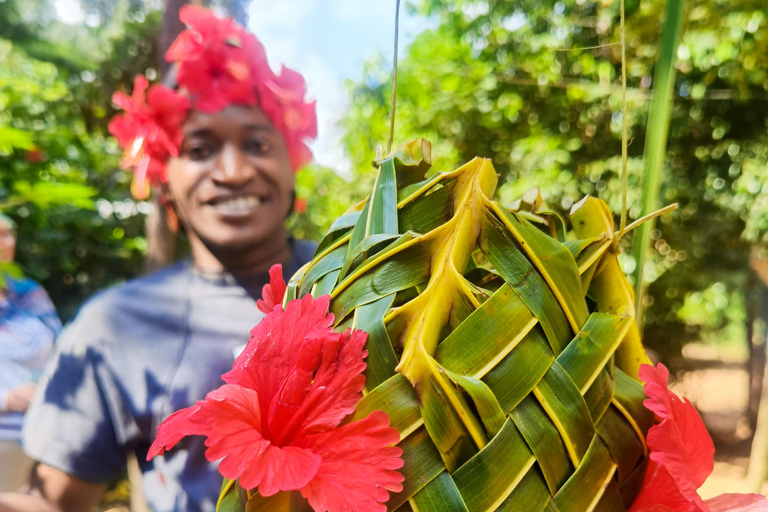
(257, 147)
(199, 152)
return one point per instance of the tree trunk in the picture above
(757, 347)
(161, 241)
(172, 27)
(757, 472)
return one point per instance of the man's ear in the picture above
(163, 191)
(163, 194)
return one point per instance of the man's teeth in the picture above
(239, 203)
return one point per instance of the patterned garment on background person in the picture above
(28, 326)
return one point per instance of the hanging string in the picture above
(394, 81)
(582, 48)
(624, 143)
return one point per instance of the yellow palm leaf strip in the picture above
(545, 442)
(609, 287)
(451, 246)
(628, 398)
(493, 330)
(600, 394)
(398, 399)
(521, 370)
(421, 320)
(593, 346)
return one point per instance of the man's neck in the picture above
(253, 260)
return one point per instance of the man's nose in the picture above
(233, 167)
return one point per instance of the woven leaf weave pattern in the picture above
(501, 346)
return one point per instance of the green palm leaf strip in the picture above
(656, 138)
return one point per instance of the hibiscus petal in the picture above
(300, 155)
(330, 394)
(230, 419)
(122, 100)
(124, 129)
(660, 493)
(227, 415)
(280, 469)
(172, 430)
(272, 294)
(738, 503)
(186, 46)
(680, 442)
(289, 84)
(358, 466)
(199, 18)
(168, 107)
(140, 84)
(271, 354)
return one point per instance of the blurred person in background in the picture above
(28, 327)
(222, 148)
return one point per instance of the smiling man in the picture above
(223, 148)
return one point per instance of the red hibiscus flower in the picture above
(275, 423)
(681, 456)
(283, 100)
(218, 60)
(150, 129)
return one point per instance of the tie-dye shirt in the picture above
(134, 355)
(28, 326)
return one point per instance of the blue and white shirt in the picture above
(134, 355)
(28, 327)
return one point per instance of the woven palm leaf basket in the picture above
(501, 345)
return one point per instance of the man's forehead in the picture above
(246, 118)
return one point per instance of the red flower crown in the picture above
(219, 63)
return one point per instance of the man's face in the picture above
(7, 243)
(232, 183)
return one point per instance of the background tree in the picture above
(534, 86)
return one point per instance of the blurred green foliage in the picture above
(322, 196)
(522, 83)
(79, 229)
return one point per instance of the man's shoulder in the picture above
(303, 251)
(121, 303)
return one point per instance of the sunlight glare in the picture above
(70, 11)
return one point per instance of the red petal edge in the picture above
(272, 294)
(358, 466)
(231, 420)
